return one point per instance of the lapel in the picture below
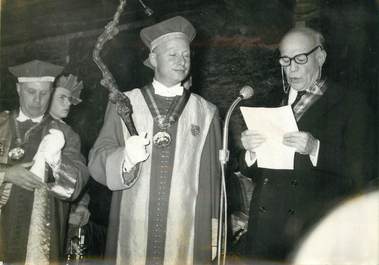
(332, 96)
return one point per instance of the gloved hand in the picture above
(80, 216)
(135, 150)
(51, 146)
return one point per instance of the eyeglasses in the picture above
(301, 58)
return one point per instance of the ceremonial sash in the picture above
(308, 99)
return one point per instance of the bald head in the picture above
(308, 36)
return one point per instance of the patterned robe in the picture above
(64, 185)
(166, 216)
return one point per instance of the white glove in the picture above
(135, 150)
(51, 147)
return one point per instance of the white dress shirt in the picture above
(162, 90)
(22, 117)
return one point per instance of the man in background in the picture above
(67, 93)
(41, 171)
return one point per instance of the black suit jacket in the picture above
(286, 203)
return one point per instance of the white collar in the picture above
(162, 90)
(22, 117)
(292, 96)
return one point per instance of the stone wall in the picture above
(235, 46)
(227, 54)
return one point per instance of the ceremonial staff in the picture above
(123, 106)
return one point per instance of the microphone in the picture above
(246, 92)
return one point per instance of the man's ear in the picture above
(18, 88)
(321, 57)
(153, 59)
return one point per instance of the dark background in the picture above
(236, 45)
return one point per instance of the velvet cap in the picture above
(36, 71)
(172, 28)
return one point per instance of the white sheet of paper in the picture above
(273, 123)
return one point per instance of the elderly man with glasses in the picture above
(332, 151)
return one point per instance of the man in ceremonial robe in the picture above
(166, 180)
(332, 151)
(42, 170)
(66, 93)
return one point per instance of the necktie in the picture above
(298, 97)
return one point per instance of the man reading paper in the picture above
(331, 151)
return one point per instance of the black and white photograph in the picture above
(189, 132)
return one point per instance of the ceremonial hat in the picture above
(36, 71)
(71, 83)
(176, 27)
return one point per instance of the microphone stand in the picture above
(224, 158)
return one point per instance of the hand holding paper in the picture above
(269, 124)
(252, 139)
(303, 142)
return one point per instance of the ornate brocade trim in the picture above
(5, 190)
(65, 183)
